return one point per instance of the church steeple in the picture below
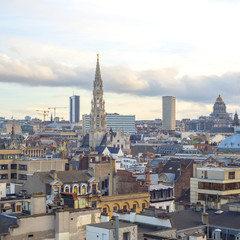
(97, 116)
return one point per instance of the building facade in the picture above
(169, 112)
(116, 122)
(74, 109)
(214, 186)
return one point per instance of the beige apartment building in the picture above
(169, 112)
(14, 168)
(214, 186)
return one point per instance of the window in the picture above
(143, 206)
(134, 206)
(104, 210)
(126, 236)
(13, 166)
(94, 204)
(83, 190)
(75, 189)
(22, 177)
(56, 191)
(231, 175)
(18, 208)
(3, 167)
(13, 176)
(3, 176)
(67, 189)
(106, 183)
(115, 209)
(94, 189)
(167, 208)
(125, 207)
(22, 167)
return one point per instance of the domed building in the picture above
(230, 145)
(219, 109)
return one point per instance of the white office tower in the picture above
(115, 122)
(74, 109)
(169, 112)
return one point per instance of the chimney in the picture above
(198, 207)
(217, 234)
(205, 218)
(38, 203)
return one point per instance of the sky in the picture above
(148, 49)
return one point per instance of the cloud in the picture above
(121, 79)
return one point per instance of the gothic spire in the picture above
(98, 78)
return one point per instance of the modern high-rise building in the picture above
(116, 122)
(169, 112)
(74, 109)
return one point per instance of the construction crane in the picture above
(54, 108)
(44, 113)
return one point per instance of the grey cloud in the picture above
(121, 79)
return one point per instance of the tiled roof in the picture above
(174, 166)
(66, 176)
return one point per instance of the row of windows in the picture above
(219, 186)
(125, 207)
(10, 156)
(14, 176)
(13, 166)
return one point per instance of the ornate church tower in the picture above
(98, 127)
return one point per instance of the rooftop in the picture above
(112, 225)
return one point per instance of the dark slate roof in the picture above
(104, 140)
(135, 150)
(100, 149)
(155, 162)
(136, 137)
(174, 166)
(113, 150)
(66, 176)
(6, 221)
(190, 218)
(222, 130)
(85, 141)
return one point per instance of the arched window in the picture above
(83, 190)
(67, 189)
(75, 189)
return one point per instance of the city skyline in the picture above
(45, 56)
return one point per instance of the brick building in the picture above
(177, 173)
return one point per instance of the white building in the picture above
(125, 123)
(107, 231)
(169, 112)
(127, 162)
